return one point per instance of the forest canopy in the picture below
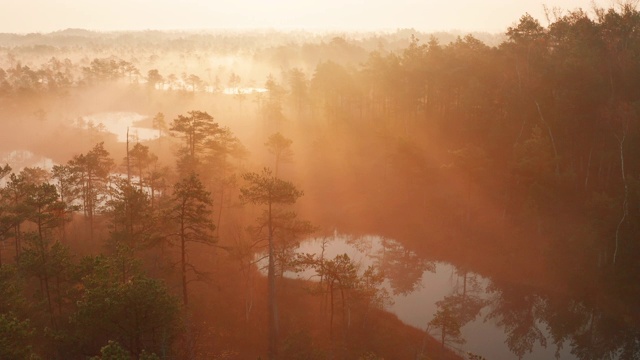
(513, 156)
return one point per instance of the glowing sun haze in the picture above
(24, 16)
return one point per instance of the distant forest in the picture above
(515, 156)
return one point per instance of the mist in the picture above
(299, 194)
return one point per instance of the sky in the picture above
(27, 16)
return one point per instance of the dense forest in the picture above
(514, 157)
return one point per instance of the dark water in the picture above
(498, 320)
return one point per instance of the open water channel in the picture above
(416, 285)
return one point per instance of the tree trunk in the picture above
(183, 262)
(273, 307)
(58, 295)
(553, 142)
(464, 285)
(89, 205)
(248, 298)
(586, 178)
(331, 310)
(625, 202)
(224, 161)
(17, 237)
(45, 276)
(128, 161)
(221, 207)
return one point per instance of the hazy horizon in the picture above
(43, 16)
(319, 180)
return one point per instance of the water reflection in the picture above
(517, 309)
(402, 267)
(242, 90)
(491, 318)
(19, 159)
(211, 89)
(118, 123)
(473, 314)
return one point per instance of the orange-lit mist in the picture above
(427, 15)
(368, 164)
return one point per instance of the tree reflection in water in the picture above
(591, 332)
(402, 267)
(456, 310)
(516, 309)
(470, 312)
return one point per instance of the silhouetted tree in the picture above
(190, 218)
(92, 173)
(280, 147)
(196, 129)
(267, 190)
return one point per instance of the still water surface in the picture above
(119, 123)
(415, 296)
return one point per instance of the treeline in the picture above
(72, 57)
(540, 133)
(521, 159)
(57, 305)
(525, 153)
(151, 238)
(533, 142)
